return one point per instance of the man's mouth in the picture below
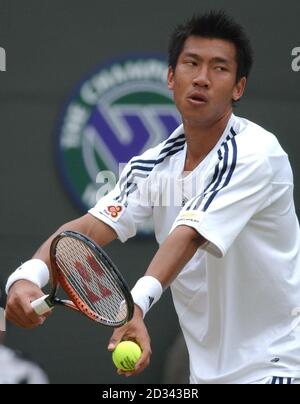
(197, 99)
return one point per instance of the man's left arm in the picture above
(177, 250)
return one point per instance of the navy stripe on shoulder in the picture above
(229, 174)
(181, 136)
(215, 190)
(222, 174)
(169, 148)
(215, 176)
(152, 163)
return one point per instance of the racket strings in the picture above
(92, 280)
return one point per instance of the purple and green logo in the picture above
(116, 113)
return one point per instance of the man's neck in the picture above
(201, 140)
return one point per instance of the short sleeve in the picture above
(236, 191)
(123, 208)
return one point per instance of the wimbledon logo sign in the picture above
(118, 112)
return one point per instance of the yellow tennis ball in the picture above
(126, 355)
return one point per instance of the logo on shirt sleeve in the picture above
(114, 211)
(191, 216)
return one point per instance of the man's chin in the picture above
(206, 118)
(200, 121)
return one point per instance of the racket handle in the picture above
(42, 305)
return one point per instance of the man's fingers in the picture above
(47, 314)
(115, 339)
(20, 321)
(144, 360)
(19, 318)
(22, 314)
(27, 310)
(18, 308)
(145, 343)
(141, 365)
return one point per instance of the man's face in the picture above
(204, 81)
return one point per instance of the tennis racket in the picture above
(89, 278)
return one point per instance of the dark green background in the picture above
(50, 45)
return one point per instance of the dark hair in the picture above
(215, 24)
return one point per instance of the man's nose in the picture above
(202, 77)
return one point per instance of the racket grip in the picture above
(42, 305)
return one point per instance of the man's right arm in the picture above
(88, 225)
(23, 292)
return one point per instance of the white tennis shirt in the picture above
(238, 298)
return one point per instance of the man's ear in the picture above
(239, 89)
(170, 78)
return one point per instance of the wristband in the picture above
(35, 271)
(146, 292)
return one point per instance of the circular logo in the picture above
(116, 113)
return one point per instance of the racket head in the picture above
(90, 279)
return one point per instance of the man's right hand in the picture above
(134, 330)
(18, 308)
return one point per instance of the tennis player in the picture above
(229, 246)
